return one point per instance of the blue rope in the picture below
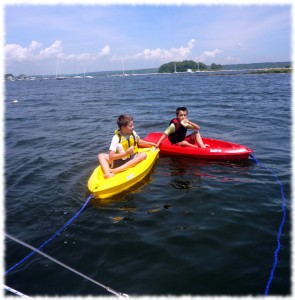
(51, 238)
(280, 228)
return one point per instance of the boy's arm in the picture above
(143, 143)
(161, 140)
(190, 125)
(168, 131)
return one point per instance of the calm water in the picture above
(191, 228)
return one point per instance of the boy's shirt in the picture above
(115, 141)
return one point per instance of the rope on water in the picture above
(280, 228)
(65, 266)
(51, 238)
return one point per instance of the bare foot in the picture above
(108, 175)
(205, 146)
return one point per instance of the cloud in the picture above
(176, 54)
(208, 55)
(17, 53)
(181, 53)
(14, 52)
(53, 51)
(105, 50)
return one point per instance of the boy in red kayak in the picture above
(177, 130)
(123, 152)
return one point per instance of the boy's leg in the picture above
(104, 160)
(200, 140)
(194, 140)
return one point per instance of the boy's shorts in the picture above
(120, 162)
(189, 139)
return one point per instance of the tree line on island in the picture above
(187, 65)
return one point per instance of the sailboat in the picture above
(85, 73)
(175, 72)
(77, 76)
(58, 77)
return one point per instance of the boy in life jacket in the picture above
(123, 149)
(177, 130)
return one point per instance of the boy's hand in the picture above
(130, 150)
(184, 122)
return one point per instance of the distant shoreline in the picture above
(271, 71)
(252, 68)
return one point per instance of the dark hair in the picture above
(181, 108)
(123, 120)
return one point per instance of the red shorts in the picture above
(189, 139)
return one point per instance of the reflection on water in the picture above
(184, 184)
(186, 173)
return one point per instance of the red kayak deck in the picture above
(217, 150)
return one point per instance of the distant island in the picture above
(186, 66)
(192, 66)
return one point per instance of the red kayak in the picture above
(217, 150)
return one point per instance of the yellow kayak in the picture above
(105, 188)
